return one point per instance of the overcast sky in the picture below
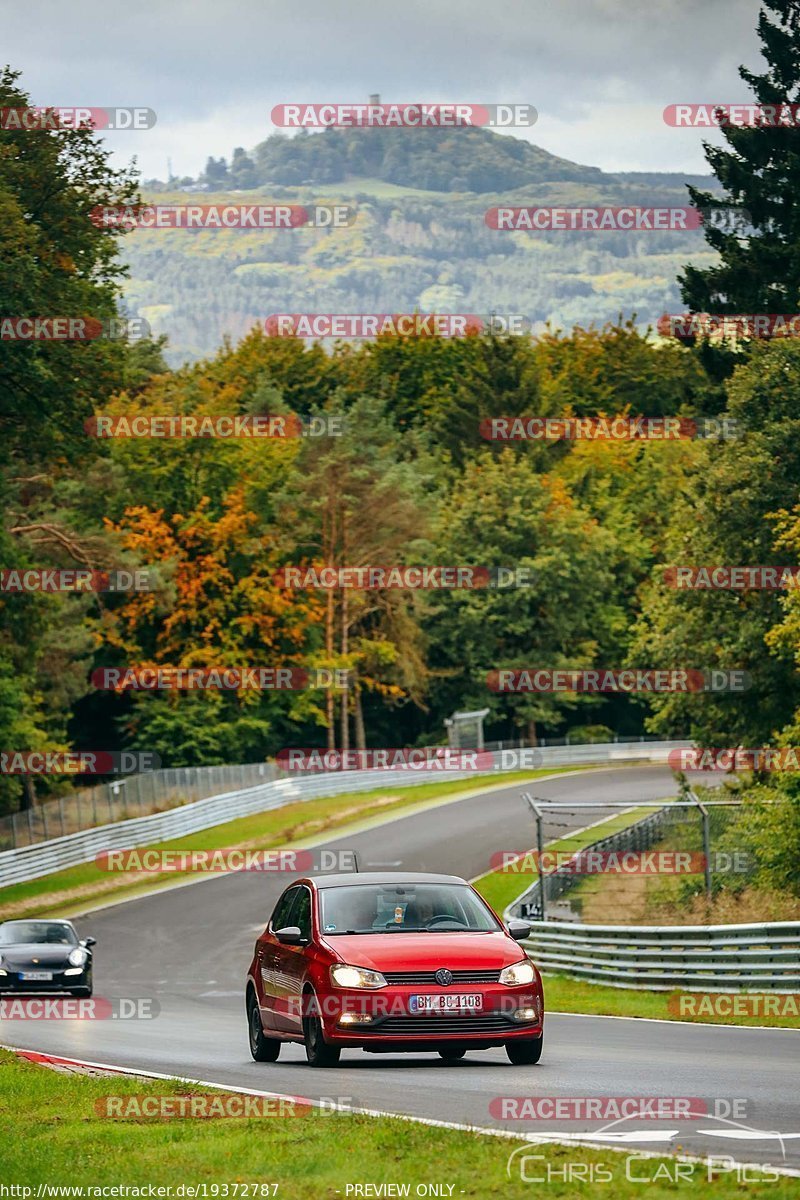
(599, 72)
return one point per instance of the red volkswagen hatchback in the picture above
(389, 962)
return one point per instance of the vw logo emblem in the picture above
(444, 977)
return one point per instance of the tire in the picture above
(318, 1052)
(451, 1055)
(525, 1052)
(84, 992)
(263, 1049)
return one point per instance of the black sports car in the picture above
(44, 956)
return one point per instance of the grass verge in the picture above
(563, 994)
(53, 1135)
(86, 885)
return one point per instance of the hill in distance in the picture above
(419, 242)
(436, 160)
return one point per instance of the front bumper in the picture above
(12, 982)
(365, 1019)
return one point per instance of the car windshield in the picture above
(21, 933)
(403, 908)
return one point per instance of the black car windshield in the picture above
(21, 933)
(403, 908)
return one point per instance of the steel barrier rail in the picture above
(127, 796)
(714, 958)
(42, 858)
(30, 862)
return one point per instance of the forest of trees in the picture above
(402, 254)
(409, 480)
(419, 240)
(444, 160)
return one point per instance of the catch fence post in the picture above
(706, 826)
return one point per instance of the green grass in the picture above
(381, 189)
(500, 888)
(79, 887)
(563, 994)
(346, 189)
(53, 1135)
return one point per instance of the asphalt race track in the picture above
(189, 948)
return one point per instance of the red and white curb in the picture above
(66, 1066)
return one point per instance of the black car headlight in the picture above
(78, 957)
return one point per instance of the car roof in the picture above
(385, 878)
(41, 920)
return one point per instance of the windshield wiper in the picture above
(399, 929)
(343, 932)
(380, 929)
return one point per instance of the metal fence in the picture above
(31, 861)
(566, 740)
(157, 791)
(712, 845)
(131, 796)
(714, 958)
(641, 835)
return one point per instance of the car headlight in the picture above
(356, 977)
(77, 957)
(518, 973)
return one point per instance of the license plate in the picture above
(446, 1002)
(35, 976)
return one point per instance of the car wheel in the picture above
(451, 1055)
(525, 1052)
(318, 1052)
(84, 992)
(263, 1049)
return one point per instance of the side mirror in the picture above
(519, 930)
(291, 936)
(89, 942)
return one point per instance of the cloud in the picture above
(599, 72)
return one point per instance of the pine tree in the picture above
(759, 272)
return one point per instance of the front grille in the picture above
(427, 978)
(431, 1025)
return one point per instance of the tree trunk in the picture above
(330, 616)
(532, 738)
(28, 793)
(329, 695)
(361, 736)
(344, 736)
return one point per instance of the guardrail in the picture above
(711, 958)
(30, 862)
(125, 797)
